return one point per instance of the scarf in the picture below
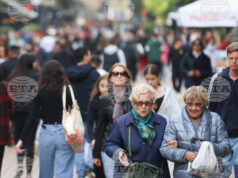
(146, 130)
(119, 98)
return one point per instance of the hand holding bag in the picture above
(141, 169)
(72, 122)
(205, 163)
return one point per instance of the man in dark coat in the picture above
(63, 55)
(82, 77)
(195, 65)
(9, 65)
(224, 101)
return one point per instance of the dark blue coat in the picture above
(227, 108)
(141, 152)
(82, 79)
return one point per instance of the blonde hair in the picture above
(197, 92)
(141, 89)
(232, 47)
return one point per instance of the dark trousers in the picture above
(99, 171)
(1, 156)
(19, 120)
(177, 81)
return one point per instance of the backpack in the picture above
(109, 60)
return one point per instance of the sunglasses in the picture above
(197, 44)
(119, 73)
(140, 103)
(198, 105)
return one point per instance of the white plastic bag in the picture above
(205, 163)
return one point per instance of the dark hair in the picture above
(23, 67)
(200, 41)
(96, 92)
(14, 49)
(152, 69)
(80, 53)
(53, 77)
(96, 60)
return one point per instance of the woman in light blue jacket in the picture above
(185, 132)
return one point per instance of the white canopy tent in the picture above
(208, 13)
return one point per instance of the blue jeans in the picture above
(85, 158)
(232, 158)
(108, 165)
(56, 156)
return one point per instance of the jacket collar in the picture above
(131, 121)
(204, 128)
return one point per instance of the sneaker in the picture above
(19, 172)
(88, 172)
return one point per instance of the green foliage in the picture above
(161, 8)
(148, 26)
(65, 3)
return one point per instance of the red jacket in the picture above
(6, 110)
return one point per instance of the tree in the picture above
(161, 8)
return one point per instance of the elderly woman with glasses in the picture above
(185, 132)
(146, 132)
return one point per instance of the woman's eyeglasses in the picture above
(119, 73)
(198, 105)
(140, 103)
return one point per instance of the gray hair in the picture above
(197, 92)
(142, 89)
(232, 47)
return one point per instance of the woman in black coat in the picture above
(113, 105)
(195, 65)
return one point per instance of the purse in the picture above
(141, 169)
(72, 122)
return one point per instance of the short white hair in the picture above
(142, 89)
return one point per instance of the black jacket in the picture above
(228, 108)
(105, 122)
(93, 117)
(82, 79)
(189, 63)
(7, 67)
(65, 58)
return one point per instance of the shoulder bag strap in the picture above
(64, 97)
(72, 93)
(211, 84)
(129, 141)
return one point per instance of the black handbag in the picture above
(141, 169)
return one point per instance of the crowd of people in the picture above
(125, 123)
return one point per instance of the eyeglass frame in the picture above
(197, 105)
(140, 103)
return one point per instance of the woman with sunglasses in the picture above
(185, 132)
(137, 136)
(112, 106)
(195, 65)
(165, 103)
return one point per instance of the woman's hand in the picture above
(18, 147)
(172, 144)
(93, 143)
(123, 158)
(190, 156)
(97, 162)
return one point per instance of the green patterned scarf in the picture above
(147, 131)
